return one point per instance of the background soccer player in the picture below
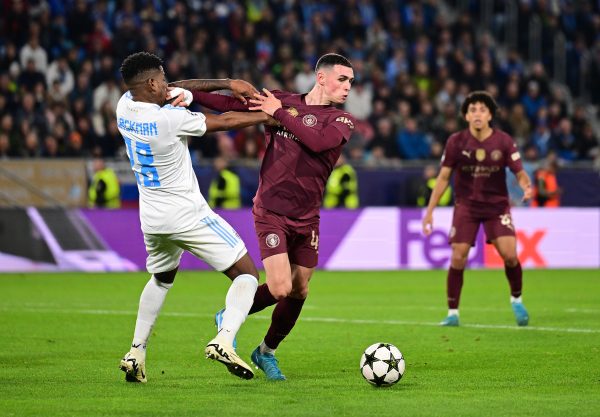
(300, 155)
(173, 213)
(479, 156)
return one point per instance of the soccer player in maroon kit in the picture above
(479, 156)
(300, 155)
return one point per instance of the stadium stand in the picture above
(414, 62)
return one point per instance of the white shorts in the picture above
(213, 240)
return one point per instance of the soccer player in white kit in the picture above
(174, 215)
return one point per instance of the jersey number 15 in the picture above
(146, 175)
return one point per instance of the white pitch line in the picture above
(583, 310)
(313, 319)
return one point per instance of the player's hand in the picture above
(427, 224)
(267, 103)
(242, 89)
(527, 193)
(272, 122)
(177, 96)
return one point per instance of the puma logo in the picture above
(467, 153)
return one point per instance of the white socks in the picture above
(151, 301)
(453, 312)
(516, 299)
(266, 349)
(238, 301)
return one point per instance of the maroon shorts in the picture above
(280, 234)
(465, 225)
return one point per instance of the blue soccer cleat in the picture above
(520, 314)
(268, 364)
(219, 324)
(450, 321)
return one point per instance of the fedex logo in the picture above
(433, 251)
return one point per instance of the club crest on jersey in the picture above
(345, 121)
(480, 154)
(292, 111)
(309, 120)
(496, 155)
(272, 240)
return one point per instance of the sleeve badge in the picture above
(346, 121)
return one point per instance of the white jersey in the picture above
(156, 140)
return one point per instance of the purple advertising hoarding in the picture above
(391, 238)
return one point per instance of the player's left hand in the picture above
(267, 103)
(242, 89)
(527, 193)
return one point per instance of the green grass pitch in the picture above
(62, 336)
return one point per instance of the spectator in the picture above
(104, 191)
(563, 142)
(413, 143)
(384, 141)
(59, 71)
(30, 77)
(341, 189)
(33, 51)
(225, 189)
(546, 191)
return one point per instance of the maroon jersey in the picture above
(480, 174)
(300, 154)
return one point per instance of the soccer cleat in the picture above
(219, 324)
(451, 321)
(268, 364)
(520, 314)
(224, 353)
(134, 366)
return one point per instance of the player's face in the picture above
(478, 116)
(337, 82)
(159, 86)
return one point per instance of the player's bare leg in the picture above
(151, 301)
(237, 304)
(454, 282)
(507, 249)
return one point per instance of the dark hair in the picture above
(139, 63)
(479, 97)
(329, 60)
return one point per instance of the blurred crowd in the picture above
(414, 63)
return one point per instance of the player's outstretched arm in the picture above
(240, 88)
(200, 91)
(525, 184)
(235, 120)
(441, 183)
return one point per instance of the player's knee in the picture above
(300, 293)
(510, 260)
(280, 290)
(458, 260)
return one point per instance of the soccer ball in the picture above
(382, 364)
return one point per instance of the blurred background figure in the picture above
(104, 191)
(421, 188)
(225, 188)
(342, 187)
(546, 192)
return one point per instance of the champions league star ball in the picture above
(382, 364)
